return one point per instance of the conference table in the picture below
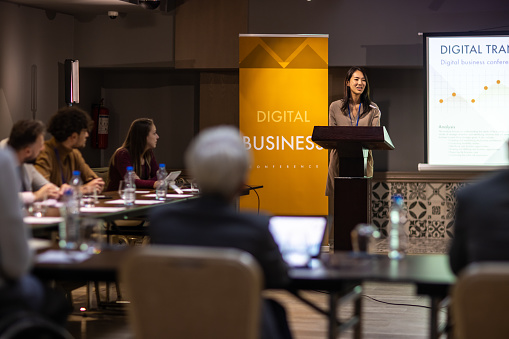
(110, 209)
(430, 273)
(339, 274)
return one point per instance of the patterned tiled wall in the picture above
(429, 207)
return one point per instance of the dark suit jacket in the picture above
(481, 231)
(212, 222)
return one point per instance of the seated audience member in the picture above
(27, 141)
(136, 151)
(481, 231)
(18, 289)
(60, 156)
(219, 162)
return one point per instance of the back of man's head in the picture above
(67, 121)
(24, 133)
(218, 160)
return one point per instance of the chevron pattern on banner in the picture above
(295, 52)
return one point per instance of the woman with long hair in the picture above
(355, 109)
(136, 151)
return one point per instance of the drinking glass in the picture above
(39, 207)
(121, 189)
(89, 199)
(193, 186)
(91, 235)
(364, 238)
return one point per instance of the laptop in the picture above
(172, 176)
(299, 238)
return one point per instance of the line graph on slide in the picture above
(473, 93)
(495, 91)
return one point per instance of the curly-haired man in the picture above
(69, 127)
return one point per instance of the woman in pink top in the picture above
(136, 151)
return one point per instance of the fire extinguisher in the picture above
(101, 116)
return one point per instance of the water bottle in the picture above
(76, 186)
(161, 184)
(68, 231)
(130, 187)
(398, 239)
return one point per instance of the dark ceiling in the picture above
(78, 7)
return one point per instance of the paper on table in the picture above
(136, 202)
(58, 256)
(142, 192)
(170, 195)
(42, 220)
(191, 190)
(39, 244)
(179, 195)
(53, 203)
(101, 209)
(50, 202)
(148, 202)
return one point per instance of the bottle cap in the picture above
(76, 173)
(129, 168)
(162, 166)
(398, 199)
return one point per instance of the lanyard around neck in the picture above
(358, 115)
(60, 165)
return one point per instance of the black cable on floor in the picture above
(443, 308)
(394, 304)
(384, 302)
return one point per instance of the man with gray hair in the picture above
(219, 162)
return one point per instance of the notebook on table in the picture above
(298, 238)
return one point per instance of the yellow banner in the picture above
(283, 95)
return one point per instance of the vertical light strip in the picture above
(75, 81)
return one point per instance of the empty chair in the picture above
(193, 292)
(480, 302)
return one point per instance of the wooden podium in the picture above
(352, 189)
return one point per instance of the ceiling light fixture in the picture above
(113, 14)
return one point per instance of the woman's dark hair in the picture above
(68, 120)
(136, 141)
(365, 100)
(25, 133)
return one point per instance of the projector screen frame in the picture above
(426, 166)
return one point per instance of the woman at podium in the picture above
(355, 109)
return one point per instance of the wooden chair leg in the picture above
(119, 293)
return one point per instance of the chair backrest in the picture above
(102, 172)
(193, 292)
(22, 324)
(480, 302)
